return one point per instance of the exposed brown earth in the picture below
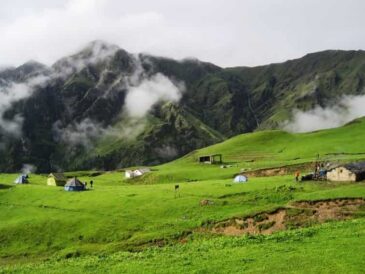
(298, 214)
(285, 170)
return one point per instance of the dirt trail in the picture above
(278, 171)
(298, 214)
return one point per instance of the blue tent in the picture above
(74, 185)
(240, 179)
(22, 179)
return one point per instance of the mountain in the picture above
(76, 114)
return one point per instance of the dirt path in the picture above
(298, 214)
(279, 171)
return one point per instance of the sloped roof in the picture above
(332, 166)
(74, 182)
(210, 155)
(58, 176)
(143, 170)
(358, 167)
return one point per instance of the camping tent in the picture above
(56, 179)
(22, 179)
(141, 171)
(74, 185)
(136, 173)
(240, 179)
(129, 174)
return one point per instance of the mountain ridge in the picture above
(85, 97)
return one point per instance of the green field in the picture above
(266, 149)
(143, 226)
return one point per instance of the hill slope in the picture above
(120, 224)
(268, 149)
(76, 114)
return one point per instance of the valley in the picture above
(122, 224)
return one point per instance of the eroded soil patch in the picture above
(279, 171)
(298, 214)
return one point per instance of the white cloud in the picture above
(348, 109)
(141, 98)
(94, 52)
(12, 92)
(88, 131)
(83, 133)
(28, 168)
(167, 151)
(143, 92)
(237, 32)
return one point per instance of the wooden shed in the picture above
(353, 172)
(211, 159)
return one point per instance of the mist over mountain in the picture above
(105, 108)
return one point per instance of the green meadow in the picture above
(143, 226)
(330, 248)
(267, 149)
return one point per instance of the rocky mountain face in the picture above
(105, 108)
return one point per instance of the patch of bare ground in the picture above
(298, 214)
(279, 171)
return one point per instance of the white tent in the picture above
(141, 171)
(240, 179)
(129, 174)
(136, 173)
(22, 179)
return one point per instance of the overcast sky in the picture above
(225, 32)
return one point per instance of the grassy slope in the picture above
(329, 248)
(103, 224)
(42, 222)
(268, 149)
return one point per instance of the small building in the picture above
(136, 173)
(211, 159)
(353, 172)
(22, 179)
(74, 185)
(56, 179)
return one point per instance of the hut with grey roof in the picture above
(353, 172)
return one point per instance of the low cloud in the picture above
(28, 168)
(143, 92)
(95, 52)
(167, 152)
(87, 132)
(74, 134)
(12, 92)
(347, 109)
(157, 88)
